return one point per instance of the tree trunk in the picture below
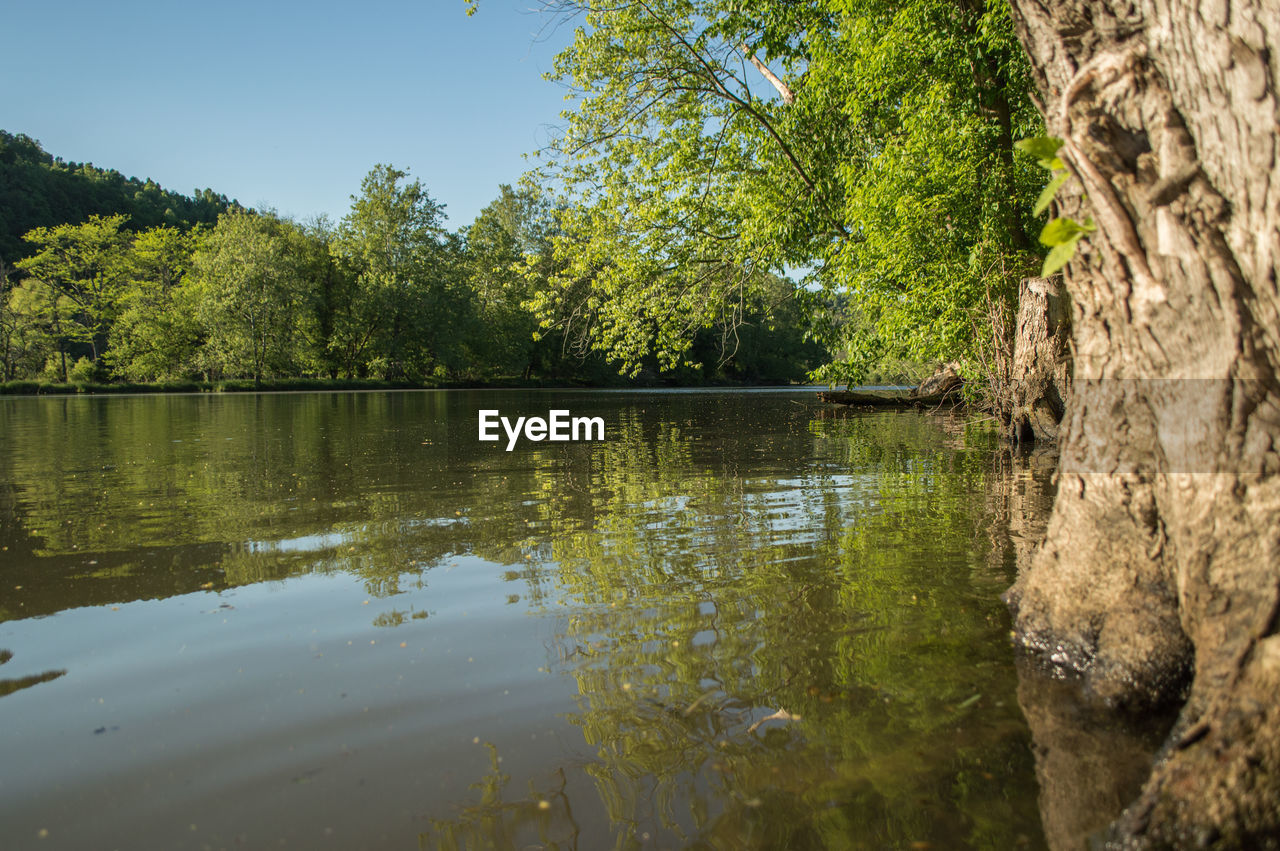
(1040, 379)
(1162, 555)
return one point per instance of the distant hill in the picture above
(40, 190)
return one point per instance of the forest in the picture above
(861, 215)
(121, 281)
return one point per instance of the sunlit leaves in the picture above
(688, 181)
(81, 267)
(1060, 234)
(1044, 149)
(935, 194)
(156, 335)
(1063, 234)
(251, 299)
(890, 179)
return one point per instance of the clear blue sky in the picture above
(286, 104)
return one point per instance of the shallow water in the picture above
(341, 621)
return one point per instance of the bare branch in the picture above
(788, 96)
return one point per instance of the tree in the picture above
(397, 318)
(8, 326)
(508, 257)
(34, 320)
(1161, 554)
(881, 157)
(253, 303)
(20, 353)
(332, 291)
(497, 243)
(156, 336)
(39, 190)
(685, 185)
(935, 93)
(81, 267)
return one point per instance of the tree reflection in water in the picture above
(812, 661)
(780, 627)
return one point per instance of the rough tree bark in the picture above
(1162, 556)
(1040, 375)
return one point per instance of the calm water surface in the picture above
(340, 621)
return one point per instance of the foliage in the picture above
(80, 271)
(507, 248)
(686, 189)
(937, 91)
(40, 190)
(881, 162)
(23, 348)
(1060, 234)
(404, 309)
(251, 297)
(387, 293)
(156, 336)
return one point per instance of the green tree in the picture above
(508, 248)
(252, 300)
(399, 317)
(35, 315)
(157, 336)
(332, 290)
(675, 169)
(879, 158)
(82, 268)
(936, 92)
(39, 190)
(8, 326)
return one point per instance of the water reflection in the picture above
(1090, 761)
(753, 626)
(9, 686)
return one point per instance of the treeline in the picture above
(387, 293)
(40, 190)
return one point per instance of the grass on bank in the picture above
(247, 385)
(280, 385)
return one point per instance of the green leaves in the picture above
(888, 180)
(688, 183)
(81, 267)
(400, 315)
(1050, 190)
(251, 296)
(1044, 149)
(1062, 231)
(1061, 234)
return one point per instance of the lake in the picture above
(742, 620)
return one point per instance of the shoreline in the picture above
(294, 385)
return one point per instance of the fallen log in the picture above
(941, 388)
(888, 399)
